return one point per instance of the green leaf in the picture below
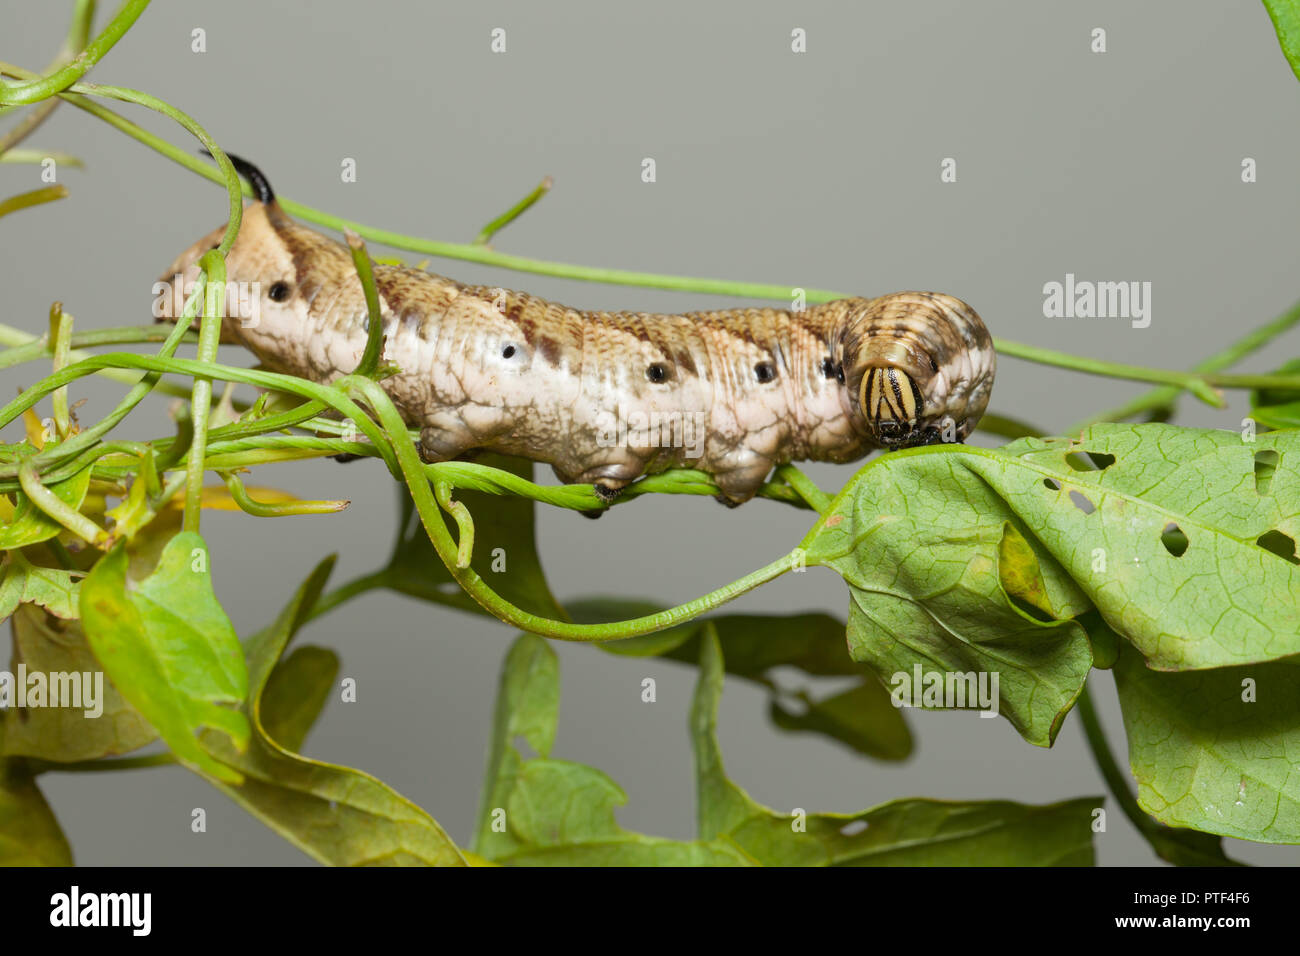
(22, 582)
(505, 551)
(30, 525)
(862, 718)
(337, 815)
(547, 812)
(1216, 750)
(29, 833)
(1282, 415)
(296, 693)
(1285, 15)
(942, 578)
(1175, 540)
(51, 645)
(910, 832)
(169, 648)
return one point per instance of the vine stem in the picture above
(36, 89)
(1163, 399)
(483, 254)
(431, 518)
(33, 198)
(1104, 757)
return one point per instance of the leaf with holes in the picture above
(1216, 750)
(949, 592)
(1183, 539)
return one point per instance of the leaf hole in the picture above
(1275, 542)
(525, 749)
(1089, 460)
(1266, 462)
(1052, 483)
(1082, 502)
(854, 827)
(1174, 540)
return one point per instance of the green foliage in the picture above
(1215, 750)
(169, 648)
(1165, 553)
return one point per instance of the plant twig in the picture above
(514, 212)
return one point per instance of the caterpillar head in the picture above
(917, 368)
(265, 294)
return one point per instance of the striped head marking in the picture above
(918, 368)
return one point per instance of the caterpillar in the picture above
(605, 397)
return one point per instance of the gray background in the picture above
(820, 169)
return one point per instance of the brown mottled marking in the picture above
(579, 397)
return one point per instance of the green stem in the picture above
(1110, 770)
(431, 518)
(25, 347)
(1162, 400)
(37, 89)
(464, 523)
(817, 499)
(374, 318)
(214, 308)
(475, 252)
(278, 509)
(34, 198)
(513, 213)
(61, 333)
(53, 506)
(102, 765)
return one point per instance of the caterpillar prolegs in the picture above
(605, 397)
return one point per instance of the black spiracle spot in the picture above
(657, 373)
(764, 372)
(278, 292)
(508, 352)
(934, 366)
(828, 368)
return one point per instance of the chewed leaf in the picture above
(169, 648)
(1178, 541)
(945, 591)
(1171, 557)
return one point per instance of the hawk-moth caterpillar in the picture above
(605, 397)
